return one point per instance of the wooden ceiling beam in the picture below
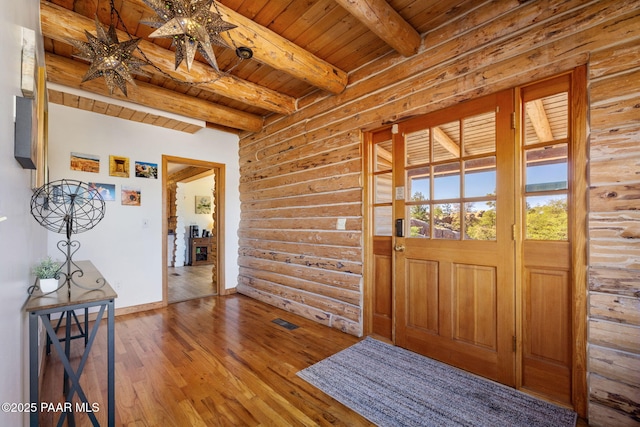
(68, 72)
(386, 23)
(276, 51)
(62, 24)
(280, 53)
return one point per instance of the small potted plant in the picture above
(47, 273)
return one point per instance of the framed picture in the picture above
(85, 162)
(146, 170)
(203, 204)
(130, 196)
(107, 191)
(119, 166)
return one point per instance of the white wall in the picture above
(22, 240)
(127, 252)
(199, 187)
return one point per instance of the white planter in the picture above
(48, 285)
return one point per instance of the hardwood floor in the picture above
(189, 282)
(215, 361)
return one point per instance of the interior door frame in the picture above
(220, 174)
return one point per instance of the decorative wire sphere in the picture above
(67, 206)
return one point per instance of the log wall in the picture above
(614, 235)
(303, 172)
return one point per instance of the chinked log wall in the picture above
(304, 171)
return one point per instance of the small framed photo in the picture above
(146, 170)
(85, 162)
(119, 166)
(130, 196)
(107, 191)
(203, 204)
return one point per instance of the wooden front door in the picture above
(454, 267)
(476, 247)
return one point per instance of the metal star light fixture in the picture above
(191, 25)
(109, 58)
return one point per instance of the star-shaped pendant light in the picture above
(109, 58)
(191, 25)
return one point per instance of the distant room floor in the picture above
(189, 282)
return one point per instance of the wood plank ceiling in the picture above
(301, 48)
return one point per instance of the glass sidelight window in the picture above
(545, 152)
(382, 183)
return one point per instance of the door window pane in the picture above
(480, 220)
(383, 152)
(479, 134)
(382, 185)
(419, 220)
(382, 219)
(480, 177)
(417, 147)
(546, 119)
(446, 221)
(451, 172)
(419, 181)
(446, 184)
(446, 141)
(547, 168)
(547, 218)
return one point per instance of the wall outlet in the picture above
(341, 224)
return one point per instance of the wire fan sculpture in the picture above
(68, 207)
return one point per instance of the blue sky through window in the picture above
(480, 184)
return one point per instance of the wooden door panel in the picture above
(451, 309)
(382, 316)
(422, 290)
(547, 317)
(549, 379)
(546, 341)
(476, 307)
(461, 354)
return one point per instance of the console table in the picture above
(65, 303)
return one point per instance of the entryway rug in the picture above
(391, 386)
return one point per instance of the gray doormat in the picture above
(391, 386)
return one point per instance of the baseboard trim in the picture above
(138, 308)
(142, 307)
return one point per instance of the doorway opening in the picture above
(193, 206)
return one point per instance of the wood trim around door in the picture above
(220, 196)
(578, 229)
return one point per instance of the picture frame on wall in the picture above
(203, 204)
(146, 170)
(85, 162)
(130, 196)
(119, 166)
(107, 191)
